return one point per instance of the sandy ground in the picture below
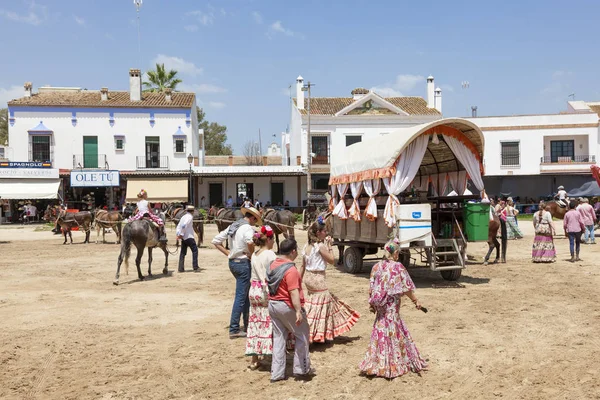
(515, 330)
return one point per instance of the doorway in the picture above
(90, 152)
(245, 190)
(215, 194)
(277, 195)
(152, 152)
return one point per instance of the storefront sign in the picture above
(34, 173)
(25, 164)
(94, 178)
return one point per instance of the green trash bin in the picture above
(477, 220)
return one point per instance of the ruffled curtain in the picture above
(424, 183)
(434, 178)
(406, 168)
(443, 183)
(458, 180)
(467, 159)
(333, 199)
(372, 188)
(354, 210)
(340, 208)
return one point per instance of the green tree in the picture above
(159, 79)
(215, 136)
(4, 126)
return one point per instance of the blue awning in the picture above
(40, 130)
(179, 133)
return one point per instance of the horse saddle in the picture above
(561, 203)
(154, 224)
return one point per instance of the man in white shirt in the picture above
(185, 233)
(240, 235)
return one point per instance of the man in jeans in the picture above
(240, 235)
(286, 301)
(588, 214)
(185, 233)
(574, 226)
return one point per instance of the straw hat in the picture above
(190, 207)
(254, 212)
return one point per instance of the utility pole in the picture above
(306, 88)
(138, 4)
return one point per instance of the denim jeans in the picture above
(574, 241)
(589, 233)
(241, 270)
(191, 243)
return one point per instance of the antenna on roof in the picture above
(138, 5)
(572, 96)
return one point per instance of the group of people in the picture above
(246, 202)
(277, 315)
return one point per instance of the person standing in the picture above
(229, 203)
(588, 214)
(573, 226)
(286, 301)
(240, 235)
(501, 211)
(203, 203)
(259, 341)
(391, 352)
(328, 317)
(543, 250)
(512, 227)
(185, 233)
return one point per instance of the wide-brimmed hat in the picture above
(561, 188)
(254, 212)
(190, 207)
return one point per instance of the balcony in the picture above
(91, 161)
(152, 162)
(321, 159)
(567, 164)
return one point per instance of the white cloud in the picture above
(11, 93)
(403, 83)
(257, 17)
(191, 28)
(205, 18)
(178, 64)
(79, 20)
(447, 88)
(35, 16)
(216, 104)
(202, 88)
(277, 27)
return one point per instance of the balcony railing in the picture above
(568, 159)
(152, 162)
(321, 159)
(95, 161)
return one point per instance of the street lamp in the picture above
(190, 159)
(306, 88)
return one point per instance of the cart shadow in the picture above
(340, 340)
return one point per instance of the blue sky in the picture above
(240, 56)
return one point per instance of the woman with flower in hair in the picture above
(143, 210)
(328, 317)
(391, 352)
(259, 340)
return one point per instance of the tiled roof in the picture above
(595, 109)
(88, 98)
(332, 105)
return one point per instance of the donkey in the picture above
(108, 219)
(176, 214)
(81, 219)
(223, 218)
(141, 233)
(282, 221)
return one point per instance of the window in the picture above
(561, 149)
(179, 145)
(351, 139)
(40, 148)
(510, 154)
(119, 143)
(321, 149)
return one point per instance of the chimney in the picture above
(27, 87)
(168, 92)
(135, 84)
(438, 99)
(430, 92)
(474, 111)
(299, 93)
(104, 94)
(359, 93)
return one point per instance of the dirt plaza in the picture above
(516, 330)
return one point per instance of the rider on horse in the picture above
(144, 211)
(562, 197)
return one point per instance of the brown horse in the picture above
(82, 220)
(555, 210)
(105, 220)
(176, 213)
(281, 221)
(224, 217)
(493, 227)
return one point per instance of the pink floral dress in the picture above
(391, 352)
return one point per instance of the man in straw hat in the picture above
(240, 235)
(185, 233)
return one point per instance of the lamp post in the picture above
(190, 159)
(306, 88)
(138, 5)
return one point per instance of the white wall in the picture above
(68, 139)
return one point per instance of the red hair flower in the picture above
(267, 230)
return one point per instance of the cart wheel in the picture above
(451, 274)
(405, 258)
(353, 260)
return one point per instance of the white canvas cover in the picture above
(25, 189)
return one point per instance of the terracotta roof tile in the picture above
(595, 109)
(88, 98)
(332, 105)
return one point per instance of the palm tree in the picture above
(159, 80)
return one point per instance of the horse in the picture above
(81, 219)
(282, 221)
(108, 219)
(555, 210)
(141, 233)
(492, 241)
(224, 217)
(175, 214)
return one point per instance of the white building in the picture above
(273, 150)
(87, 133)
(338, 122)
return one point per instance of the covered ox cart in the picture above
(411, 184)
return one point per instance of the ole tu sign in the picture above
(94, 178)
